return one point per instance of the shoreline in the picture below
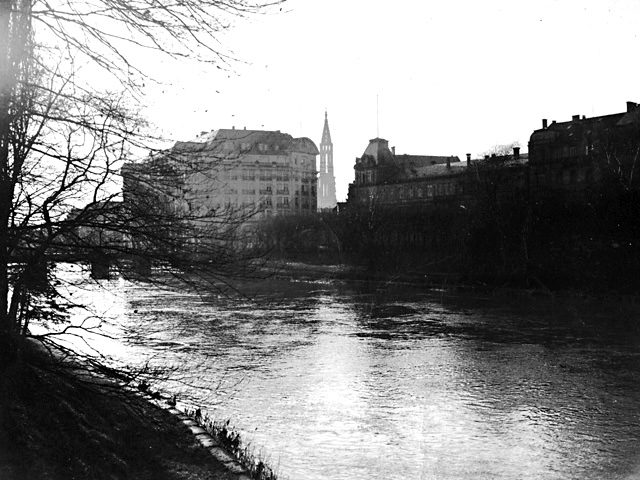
(56, 423)
(448, 282)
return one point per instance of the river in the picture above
(339, 381)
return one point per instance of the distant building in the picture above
(575, 156)
(389, 179)
(326, 179)
(260, 173)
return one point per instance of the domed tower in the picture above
(326, 178)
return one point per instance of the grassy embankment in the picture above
(58, 423)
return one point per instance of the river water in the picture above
(338, 381)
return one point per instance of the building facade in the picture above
(385, 178)
(326, 177)
(253, 172)
(569, 159)
(576, 156)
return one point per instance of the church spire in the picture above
(326, 134)
(326, 178)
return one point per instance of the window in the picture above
(265, 189)
(429, 190)
(265, 175)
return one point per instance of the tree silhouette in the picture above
(70, 95)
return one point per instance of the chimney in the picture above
(233, 128)
(468, 159)
(448, 162)
(544, 123)
(631, 106)
(575, 118)
(516, 152)
(393, 150)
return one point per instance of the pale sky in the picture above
(445, 77)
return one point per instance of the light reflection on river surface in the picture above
(332, 382)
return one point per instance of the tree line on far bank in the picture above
(553, 242)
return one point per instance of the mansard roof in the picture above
(226, 141)
(377, 153)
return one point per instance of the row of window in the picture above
(281, 203)
(409, 192)
(266, 177)
(263, 147)
(268, 190)
(567, 151)
(567, 177)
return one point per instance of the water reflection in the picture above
(337, 382)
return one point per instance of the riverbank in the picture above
(442, 281)
(56, 424)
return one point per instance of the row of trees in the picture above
(499, 232)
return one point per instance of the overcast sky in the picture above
(445, 77)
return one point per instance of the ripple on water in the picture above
(335, 384)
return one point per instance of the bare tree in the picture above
(500, 150)
(501, 224)
(64, 138)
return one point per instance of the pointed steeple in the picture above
(326, 179)
(326, 134)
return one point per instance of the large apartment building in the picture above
(577, 155)
(255, 172)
